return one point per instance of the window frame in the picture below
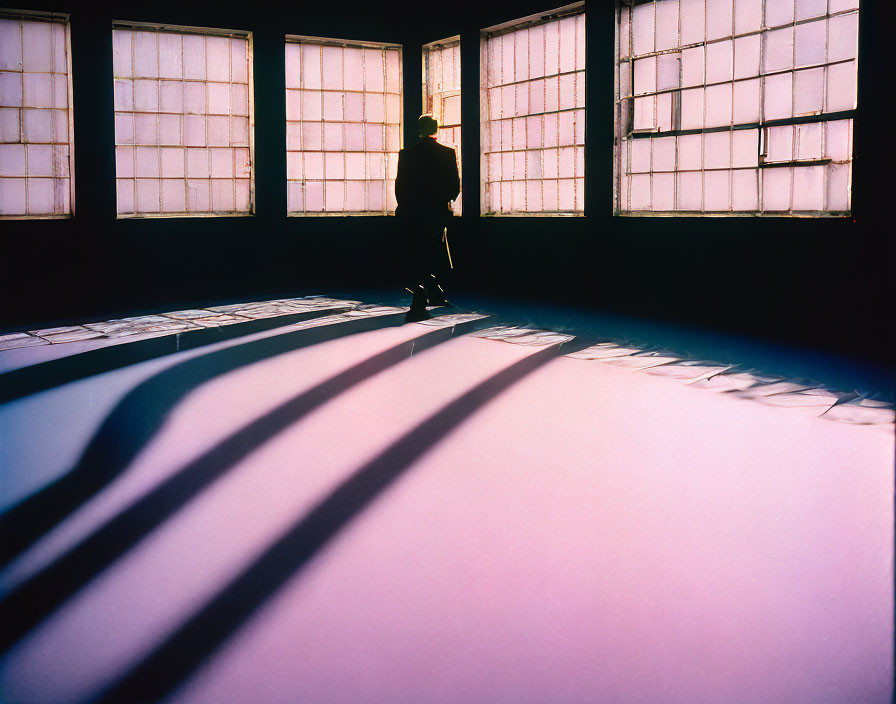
(442, 44)
(64, 19)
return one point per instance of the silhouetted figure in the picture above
(426, 183)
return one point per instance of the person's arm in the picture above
(454, 177)
(401, 182)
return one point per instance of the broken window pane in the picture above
(346, 108)
(35, 124)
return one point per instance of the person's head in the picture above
(427, 126)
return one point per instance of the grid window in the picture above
(735, 106)
(35, 120)
(343, 126)
(183, 127)
(441, 94)
(533, 128)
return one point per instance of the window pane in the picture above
(530, 111)
(343, 121)
(35, 134)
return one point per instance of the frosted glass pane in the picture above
(623, 30)
(692, 108)
(536, 97)
(837, 186)
(38, 90)
(124, 192)
(640, 192)
(239, 131)
(12, 196)
(718, 105)
(808, 141)
(745, 148)
(239, 99)
(644, 108)
(566, 162)
(843, 36)
(312, 105)
(690, 152)
(808, 188)
(580, 42)
(536, 51)
(640, 155)
(718, 19)
(690, 191)
(355, 196)
(239, 59)
(745, 189)
(221, 163)
(645, 77)
(197, 163)
(124, 129)
(295, 200)
(146, 58)
(354, 166)
(746, 101)
(808, 91)
(664, 154)
(146, 95)
(11, 89)
(567, 49)
(170, 53)
(692, 21)
(550, 196)
(314, 196)
(40, 196)
(314, 165)
(9, 125)
(171, 96)
(12, 159)
(293, 68)
(146, 162)
(692, 67)
(778, 96)
(716, 194)
(717, 150)
(40, 160)
(747, 16)
(60, 91)
(719, 57)
(293, 136)
(666, 24)
(333, 107)
(519, 133)
(242, 167)
(837, 138)
(840, 5)
(841, 93)
(222, 195)
(148, 193)
(374, 107)
(36, 43)
(218, 98)
(194, 98)
(664, 116)
(778, 49)
(780, 143)
(194, 56)
(293, 105)
(217, 52)
(810, 43)
(174, 196)
(374, 137)
(550, 164)
(663, 192)
(334, 195)
(121, 52)
(38, 125)
(10, 46)
(534, 132)
(198, 197)
(566, 193)
(643, 29)
(194, 131)
(373, 70)
(551, 93)
(331, 56)
(776, 183)
(124, 162)
(668, 71)
(778, 12)
(334, 165)
(310, 69)
(172, 163)
(354, 137)
(810, 8)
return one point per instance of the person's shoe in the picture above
(418, 310)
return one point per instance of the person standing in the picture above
(426, 183)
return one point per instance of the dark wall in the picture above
(824, 282)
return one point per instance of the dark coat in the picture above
(427, 180)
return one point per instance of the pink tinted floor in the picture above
(588, 534)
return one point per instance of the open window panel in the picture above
(441, 95)
(734, 107)
(36, 154)
(533, 115)
(184, 141)
(343, 126)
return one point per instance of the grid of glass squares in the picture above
(182, 121)
(441, 95)
(715, 100)
(533, 131)
(35, 125)
(343, 126)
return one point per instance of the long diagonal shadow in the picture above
(167, 667)
(136, 418)
(36, 598)
(18, 383)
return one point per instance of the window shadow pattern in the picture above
(36, 598)
(19, 383)
(137, 417)
(184, 651)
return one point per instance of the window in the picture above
(36, 160)
(183, 131)
(735, 106)
(343, 126)
(441, 94)
(533, 128)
